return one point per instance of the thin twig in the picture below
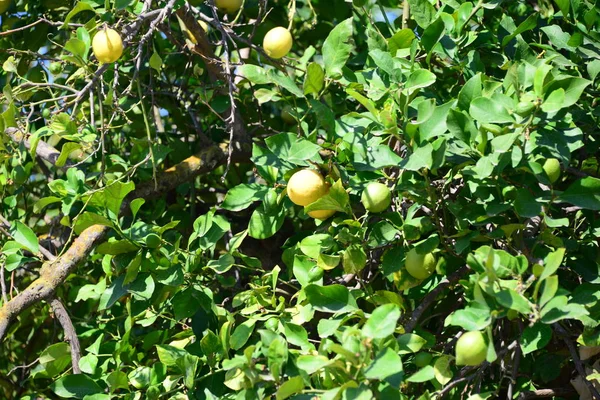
(70, 335)
(3, 285)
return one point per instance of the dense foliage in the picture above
(148, 196)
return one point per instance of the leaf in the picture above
(354, 259)
(555, 101)
(385, 364)
(486, 110)
(156, 61)
(432, 35)
(79, 7)
(169, 355)
(572, 86)
(75, 386)
(311, 364)
(419, 79)
(67, 149)
(25, 237)
(471, 90)
(291, 148)
(241, 334)
(222, 265)
(535, 337)
(290, 387)
(314, 80)
(401, 40)
(442, 370)
(422, 12)
(526, 205)
(410, 343)
(264, 224)
(510, 299)
(474, 317)
(584, 193)
(382, 322)
(552, 262)
(527, 25)
(330, 299)
(425, 374)
(336, 199)
(337, 48)
(421, 158)
(313, 245)
(113, 293)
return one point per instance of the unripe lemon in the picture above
(228, 6)
(537, 270)
(306, 186)
(277, 42)
(376, 197)
(471, 349)
(107, 46)
(422, 359)
(420, 266)
(321, 214)
(552, 169)
(286, 115)
(4, 5)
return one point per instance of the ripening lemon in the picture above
(228, 6)
(471, 349)
(420, 266)
(376, 197)
(552, 169)
(321, 214)
(277, 42)
(306, 186)
(4, 5)
(286, 115)
(107, 46)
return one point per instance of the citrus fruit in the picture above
(321, 214)
(277, 42)
(286, 115)
(422, 359)
(420, 266)
(4, 5)
(552, 169)
(107, 46)
(376, 197)
(471, 349)
(306, 186)
(228, 6)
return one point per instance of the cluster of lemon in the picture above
(108, 45)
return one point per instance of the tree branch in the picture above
(43, 149)
(70, 335)
(53, 274)
(431, 296)
(544, 393)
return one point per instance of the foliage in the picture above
(223, 288)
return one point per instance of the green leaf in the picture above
(337, 199)
(401, 40)
(410, 343)
(421, 158)
(552, 262)
(155, 61)
(223, 264)
(510, 299)
(337, 48)
(470, 91)
(354, 259)
(113, 293)
(290, 387)
(475, 317)
(114, 247)
(294, 149)
(385, 364)
(486, 110)
(330, 299)
(442, 370)
(555, 101)
(425, 374)
(75, 386)
(526, 205)
(314, 80)
(79, 7)
(88, 219)
(313, 245)
(535, 337)
(572, 86)
(420, 78)
(584, 193)
(241, 334)
(65, 150)
(265, 223)
(311, 364)
(382, 322)
(432, 34)
(25, 237)
(527, 25)
(422, 12)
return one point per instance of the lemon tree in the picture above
(279, 199)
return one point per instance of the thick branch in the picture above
(431, 296)
(43, 149)
(70, 335)
(545, 393)
(53, 274)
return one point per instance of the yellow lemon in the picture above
(228, 6)
(4, 5)
(107, 46)
(471, 349)
(321, 214)
(306, 186)
(277, 42)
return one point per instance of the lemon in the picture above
(321, 214)
(306, 186)
(420, 266)
(107, 46)
(286, 115)
(552, 169)
(471, 349)
(4, 5)
(228, 6)
(376, 197)
(277, 42)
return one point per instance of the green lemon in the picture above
(422, 359)
(376, 197)
(552, 169)
(471, 349)
(420, 266)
